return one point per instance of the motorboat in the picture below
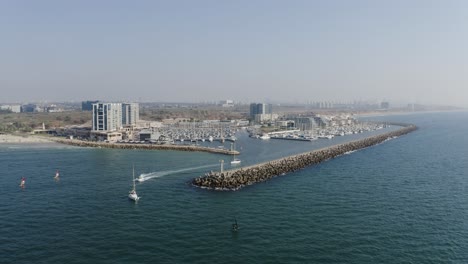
(140, 178)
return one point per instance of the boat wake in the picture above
(157, 174)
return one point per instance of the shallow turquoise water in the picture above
(403, 201)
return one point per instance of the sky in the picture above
(244, 50)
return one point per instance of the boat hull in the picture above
(133, 197)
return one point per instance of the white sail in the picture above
(235, 161)
(132, 194)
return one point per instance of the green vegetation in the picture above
(27, 122)
(193, 114)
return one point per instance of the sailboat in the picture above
(235, 226)
(23, 182)
(132, 195)
(234, 159)
(57, 175)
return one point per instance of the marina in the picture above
(397, 189)
(209, 137)
(322, 133)
(82, 143)
(232, 132)
(197, 132)
(238, 178)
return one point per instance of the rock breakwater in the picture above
(238, 178)
(81, 143)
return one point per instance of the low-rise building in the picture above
(12, 108)
(106, 136)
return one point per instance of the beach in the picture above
(8, 138)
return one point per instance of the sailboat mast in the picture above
(134, 177)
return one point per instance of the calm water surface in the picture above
(403, 201)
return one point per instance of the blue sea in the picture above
(402, 201)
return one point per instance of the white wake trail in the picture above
(157, 174)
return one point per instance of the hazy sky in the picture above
(195, 50)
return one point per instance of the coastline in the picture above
(232, 180)
(403, 113)
(22, 139)
(81, 143)
(32, 139)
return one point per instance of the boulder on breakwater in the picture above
(238, 178)
(81, 143)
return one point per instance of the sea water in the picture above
(402, 201)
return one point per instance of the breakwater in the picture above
(81, 143)
(238, 178)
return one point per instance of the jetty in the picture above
(238, 178)
(95, 144)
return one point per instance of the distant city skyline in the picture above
(248, 51)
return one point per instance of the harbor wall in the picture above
(81, 143)
(238, 178)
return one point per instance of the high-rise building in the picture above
(260, 109)
(107, 116)
(130, 113)
(113, 116)
(384, 105)
(88, 105)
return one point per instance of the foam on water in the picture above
(157, 174)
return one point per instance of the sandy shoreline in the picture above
(6, 139)
(31, 139)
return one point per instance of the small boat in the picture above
(23, 182)
(265, 136)
(140, 178)
(235, 160)
(57, 174)
(132, 195)
(235, 226)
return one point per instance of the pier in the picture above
(82, 143)
(238, 178)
